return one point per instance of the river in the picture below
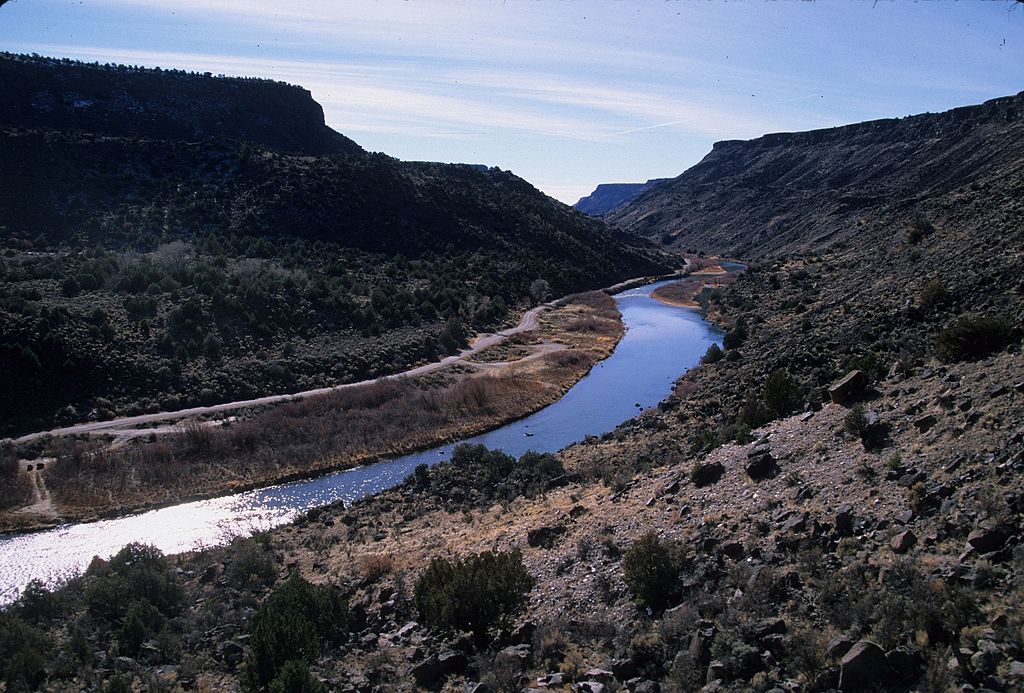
(661, 343)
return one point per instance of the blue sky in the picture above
(565, 94)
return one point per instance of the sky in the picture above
(565, 94)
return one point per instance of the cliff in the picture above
(163, 104)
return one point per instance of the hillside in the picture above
(608, 197)
(163, 104)
(807, 191)
(147, 273)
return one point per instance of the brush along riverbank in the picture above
(89, 478)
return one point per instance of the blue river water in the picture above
(660, 344)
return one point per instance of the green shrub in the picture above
(781, 392)
(291, 625)
(735, 337)
(933, 293)
(23, 652)
(252, 564)
(294, 677)
(141, 622)
(475, 593)
(136, 573)
(919, 228)
(973, 337)
(712, 355)
(39, 604)
(651, 570)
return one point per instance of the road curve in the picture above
(528, 322)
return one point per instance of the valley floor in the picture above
(500, 378)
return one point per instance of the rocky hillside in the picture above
(163, 104)
(807, 191)
(608, 197)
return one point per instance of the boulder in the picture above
(700, 642)
(716, 671)
(428, 672)
(760, 466)
(903, 542)
(704, 474)
(838, 646)
(231, 653)
(768, 626)
(844, 521)
(987, 539)
(625, 668)
(925, 423)
(452, 662)
(848, 388)
(905, 666)
(863, 667)
(601, 675)
(545, 537)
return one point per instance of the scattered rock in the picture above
(863, 667)
(838, 646)
(903, 542)
(716, 671)
(844, 521)
(904, 665)
(760, 463)
(545, 537)
(987, 539)
(848, 388)
(925, 423)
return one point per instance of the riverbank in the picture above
(708, 275)
(93, 478)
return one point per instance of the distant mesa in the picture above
(608, 197)
(123, 101)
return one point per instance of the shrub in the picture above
(39, 604)
(712, 355)
(252, 564)
(651, 570)
(22, 653)
(290, 625)
(294, 677)
(473, 593)
(735, 337)
(136, 573)
(141, 622)
(919, 228)
(973, 337)
(933, 293)
(781, 393)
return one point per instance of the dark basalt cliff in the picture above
(608, 197)
(163, 104)
(798, 192)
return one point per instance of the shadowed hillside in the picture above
(798, 192)
(146, 271)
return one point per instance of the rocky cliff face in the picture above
(798, 192)
(608, 197)
(163, 104)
